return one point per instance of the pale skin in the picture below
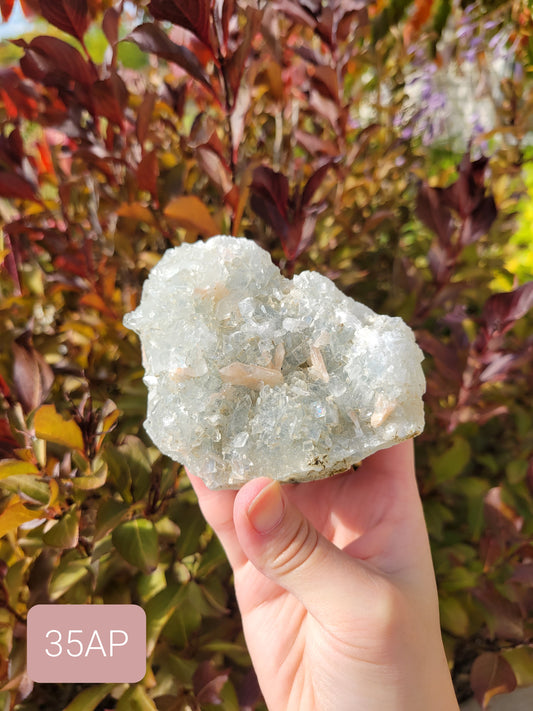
(336, 588)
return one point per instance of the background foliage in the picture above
(335, 134)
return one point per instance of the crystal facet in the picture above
(252, 374)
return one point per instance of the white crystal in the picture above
(252, 374)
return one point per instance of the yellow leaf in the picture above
(15, 514)
(189, 212)
(8, 467)
(49, 425)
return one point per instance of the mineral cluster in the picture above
(252, 374)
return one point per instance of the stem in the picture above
(229, 106)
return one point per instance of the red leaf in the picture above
(501, 311)
(71, 16)
(151, 38)
(144, 116)
(491, 674)
(4, 388)
(7, 442)
(6, 7)
(18, 95)
(235, 66)
(193, 15)
(30, 7)
(110, 98)
(14, 186)
(32, 376)
(222, 12)
(51, 60)
(148, 172)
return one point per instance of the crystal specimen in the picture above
(252, 374)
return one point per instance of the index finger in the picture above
(217, 508)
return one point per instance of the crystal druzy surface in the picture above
(252, 374)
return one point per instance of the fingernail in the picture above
(266, 510)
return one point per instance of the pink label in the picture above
(86, 643)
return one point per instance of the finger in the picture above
(285, 547)
(217, 508)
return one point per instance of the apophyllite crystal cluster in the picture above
(252, 374)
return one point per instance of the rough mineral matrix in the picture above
(252, 374)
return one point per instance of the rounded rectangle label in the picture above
(86, 643)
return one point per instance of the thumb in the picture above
(284, 546)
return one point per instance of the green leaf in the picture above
(213, 557)
(89, 482)
(136, 699)
(130, 468)
(521, 660)
(66, 575)
(28, 486)
(49, 425)
(110, 514)
(64, 533)
(238, 653)
(184, 621)
(192, 525)
(89, 699)
(452, 462)
(159, 610)
(459, 578)
(453, 616)
(149, 585)
(137, 542)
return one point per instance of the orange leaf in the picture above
(189, 212)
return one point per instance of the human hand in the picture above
(336, 588)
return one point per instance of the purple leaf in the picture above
(151, 38)
(110, 25)
(479, 222)
(208, 683)
(430, 210)
(315, 181)
(491, 674)
(466, 193)
(501, 311)
(32, 376)
(273, 188)
(193, 15)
